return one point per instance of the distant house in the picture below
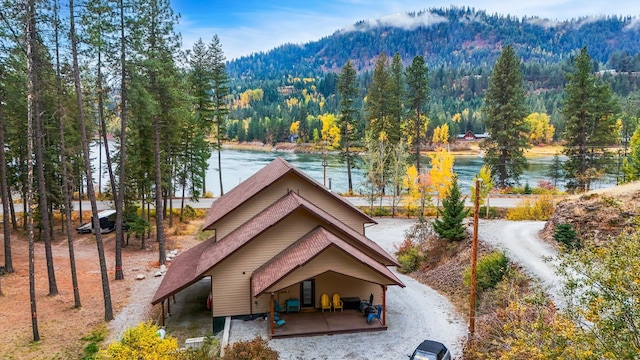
(282, 232)
(470, 136)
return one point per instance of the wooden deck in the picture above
(309, 323)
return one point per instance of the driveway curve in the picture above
(521, 243)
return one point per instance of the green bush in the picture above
(256, 349)
(142, 342)
(491, 269)
(566, 235)
(410, 260)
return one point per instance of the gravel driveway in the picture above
(414, 313)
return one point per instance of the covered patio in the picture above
(310, 323)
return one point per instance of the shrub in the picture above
(256, 349)
(142, 342)
(490, 270)
(539, 209)
(566, 235)
(410, 260)
(93, 343)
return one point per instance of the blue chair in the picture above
(375, 314)
(277, 307)
(277, 320)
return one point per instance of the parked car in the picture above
(107, 223)
(430, 350)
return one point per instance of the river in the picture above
(238, 165)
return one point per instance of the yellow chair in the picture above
(326, 304)
(337, 302)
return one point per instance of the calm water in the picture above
(238, 165)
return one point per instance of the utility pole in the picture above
(474, 260)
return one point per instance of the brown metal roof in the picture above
(191, 265)
(305, 250)
(259, 181)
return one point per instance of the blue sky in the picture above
(248, 26)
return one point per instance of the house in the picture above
(469, 136)
(281, 235)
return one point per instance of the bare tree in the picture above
(8, 261)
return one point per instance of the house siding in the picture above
(277, 190)
(336, 261)
(234, 273)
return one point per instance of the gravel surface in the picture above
(414, 313)
(521, 243)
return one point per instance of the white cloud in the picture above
(634, 24)
(400, 20)
(545, 23)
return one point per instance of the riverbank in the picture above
(460, 148)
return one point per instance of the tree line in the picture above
(110, 72)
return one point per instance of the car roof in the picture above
(106, 213)
(432, 346)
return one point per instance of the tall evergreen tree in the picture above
(106, 292)
(418, 95)
(377, 105)
(348, 90)
(220, 91)
(395, 94)
(450, 226)
(590, 124)
(505, 113)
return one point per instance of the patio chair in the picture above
(376, 313)
(337, 302)
(277, 320)
(277, 307)
(326, 303)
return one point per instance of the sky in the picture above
(249, 26)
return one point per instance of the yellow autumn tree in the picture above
(293, 129)
(485, 186)
(330, 131)
(541, 131)
(441, 134)
(441, 173)
(410, 182)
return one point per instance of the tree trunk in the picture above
(32, 98)
(6, 199)
(66, 186)
(108, 308)
(219, 164)
(43, 200)
(123, 145)
(159, 209)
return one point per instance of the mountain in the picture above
(451, 37)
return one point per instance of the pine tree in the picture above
(220, 90)
(450, 226)
(505, 111)
(590, 124)
(395, 95)
(348, 90)
(377, 105)
(418, 94)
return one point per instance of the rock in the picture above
(163, 268)
(140, 277)
(157, 274)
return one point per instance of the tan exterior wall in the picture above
(331, 260)
(323, 201)
(248, 210)
(279, 189)
(234, 273)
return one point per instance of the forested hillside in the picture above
(460, 45)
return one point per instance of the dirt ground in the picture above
(61, 326)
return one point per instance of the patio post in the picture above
(169, 306)
(384, 305)
(162, 312)
(272, 317)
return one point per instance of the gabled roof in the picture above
(258, 182)
(192, 264)
(305, 250)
